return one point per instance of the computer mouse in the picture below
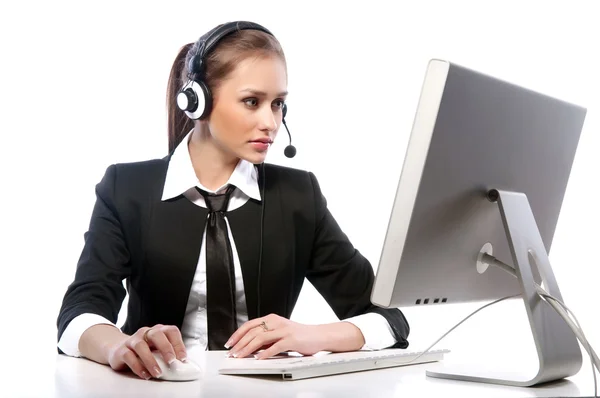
(178, 370)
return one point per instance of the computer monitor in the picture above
(485, 171)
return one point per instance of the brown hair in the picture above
(220, 62)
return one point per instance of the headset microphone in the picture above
(290, 150)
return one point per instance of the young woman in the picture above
(222, 275)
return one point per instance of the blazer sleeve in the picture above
(104, 262)
(342, 275)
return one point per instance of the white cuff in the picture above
(69, 341)
(375, 329)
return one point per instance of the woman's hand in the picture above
(135, 352)
(276, 334)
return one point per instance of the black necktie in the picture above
(220, 275)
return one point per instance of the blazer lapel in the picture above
(279, 269)
(245, 229)
(276, 270)
(173, 249)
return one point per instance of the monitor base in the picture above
(559, 355)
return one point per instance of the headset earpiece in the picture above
(187, 100)
(195, 100)
(284, 111)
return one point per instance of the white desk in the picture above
(61, 376)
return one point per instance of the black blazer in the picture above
(155, 245)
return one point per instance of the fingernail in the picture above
(157, 372)
(145, 375)
(183, 359)
(235, 354)
(256, 356)
(228, 344)
(171, 358)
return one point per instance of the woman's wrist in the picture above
(97, 342)
(341, 337)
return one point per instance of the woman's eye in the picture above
(251, 101)
(279, 103)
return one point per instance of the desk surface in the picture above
(61, 376)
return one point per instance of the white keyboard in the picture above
(294, 366)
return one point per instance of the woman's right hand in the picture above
(135, 352)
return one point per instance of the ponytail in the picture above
(178, 123)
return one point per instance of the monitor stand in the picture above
(557, 346)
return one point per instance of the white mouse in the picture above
(178, 370)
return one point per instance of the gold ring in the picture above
(146, 336)
(264, 326)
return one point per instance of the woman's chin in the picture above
(255, 157)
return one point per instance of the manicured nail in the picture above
(157, 372)
(145, 375)
(256, 356)
(184, 359)
(171, 358)
(228, 344)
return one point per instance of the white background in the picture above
(82, 86)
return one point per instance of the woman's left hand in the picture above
(276, 334)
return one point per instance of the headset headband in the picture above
(209, 40)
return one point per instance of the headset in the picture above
(195, 97)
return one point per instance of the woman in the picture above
(224, 277)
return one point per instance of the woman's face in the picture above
(247, 108)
